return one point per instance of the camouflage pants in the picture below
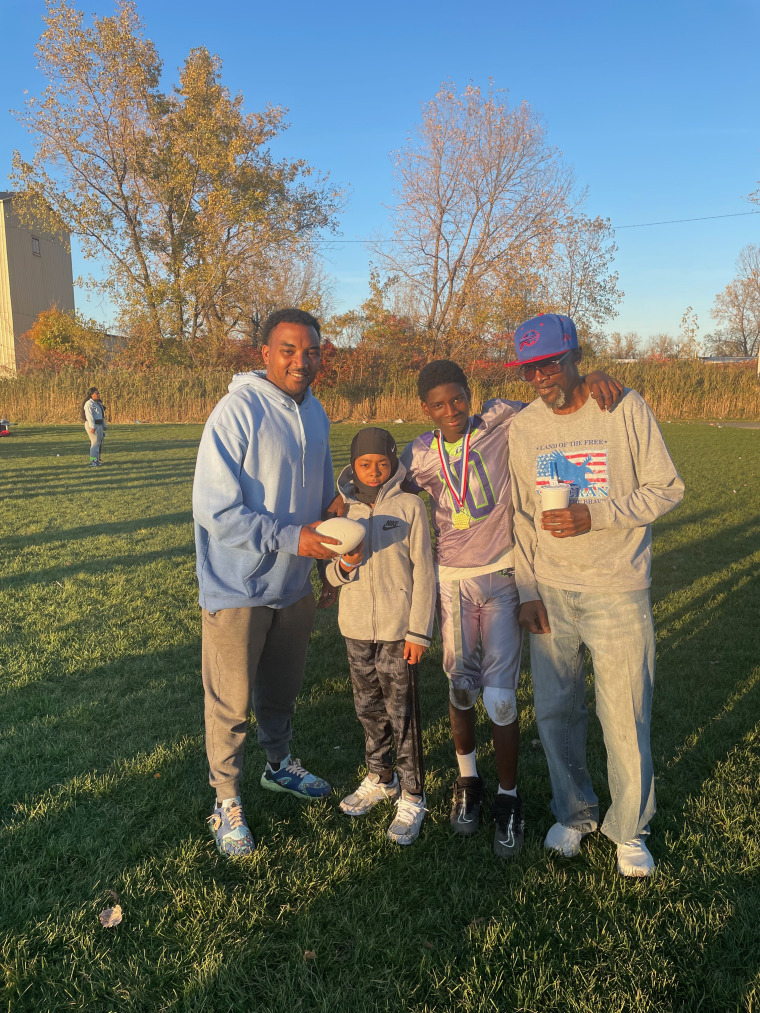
(387, 705)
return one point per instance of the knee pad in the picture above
(500, 705)
(463, 699)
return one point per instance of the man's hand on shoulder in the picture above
(310, 543)
(533, 617)
(574, 520)
(604, 389)
(338, 508)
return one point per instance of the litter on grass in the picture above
(110, 917)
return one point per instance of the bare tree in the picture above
(737, 308)
(662, 346)
(577, 276)
(477, 188)
(291, 278)
(623, 346)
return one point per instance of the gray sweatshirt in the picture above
(391, 595)
(94, 414)
(617, 464)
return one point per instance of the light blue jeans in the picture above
(618, 630)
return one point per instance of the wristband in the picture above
(348, 566)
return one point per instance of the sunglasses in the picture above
(547, 368)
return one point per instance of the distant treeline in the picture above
(675, 389)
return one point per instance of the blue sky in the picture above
(654, 104)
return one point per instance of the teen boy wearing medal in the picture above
(463, 464)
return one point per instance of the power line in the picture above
(638, 225)
(677, 221)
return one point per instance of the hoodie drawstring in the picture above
(303, 447)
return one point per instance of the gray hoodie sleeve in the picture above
(335, 576)
(423, 578)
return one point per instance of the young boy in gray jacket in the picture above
(386, 613)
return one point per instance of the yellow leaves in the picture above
(172, 193)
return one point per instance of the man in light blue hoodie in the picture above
(263, 481)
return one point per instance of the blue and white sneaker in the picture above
(229, 829)
(294, 779)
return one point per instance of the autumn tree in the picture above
(737, 308)
(477, 189)
(58, 339)
(175, 194)
(576, 274)
(382, 326)
(689, 346)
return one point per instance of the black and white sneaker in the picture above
(510, 826)
(465, 808)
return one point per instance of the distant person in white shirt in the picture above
(94, 418)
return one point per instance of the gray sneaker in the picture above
(368, 794)
(410, 812)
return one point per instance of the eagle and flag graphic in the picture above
(585, 471)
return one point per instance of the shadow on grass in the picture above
(109, 528)
(81, 763)
(94, 566)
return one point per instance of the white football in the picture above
(348, 532)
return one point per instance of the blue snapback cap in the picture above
(544, 336)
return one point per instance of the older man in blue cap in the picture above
(582, 575)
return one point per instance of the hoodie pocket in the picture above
(263, 566)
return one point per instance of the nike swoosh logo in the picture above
(510, 841)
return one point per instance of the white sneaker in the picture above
(369, 793)
(564, 840)
(409, 816)
(634, 858)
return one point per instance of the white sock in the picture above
(467, 765)
(508, 791)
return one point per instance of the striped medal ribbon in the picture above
(460, 519)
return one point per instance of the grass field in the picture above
(104, 794)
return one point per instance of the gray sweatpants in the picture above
(252, 657)
(96, 440)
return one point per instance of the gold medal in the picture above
(461, 521)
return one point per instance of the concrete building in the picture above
(35, 274)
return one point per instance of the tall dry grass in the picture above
(674, 389)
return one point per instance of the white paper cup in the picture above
(555, 497)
